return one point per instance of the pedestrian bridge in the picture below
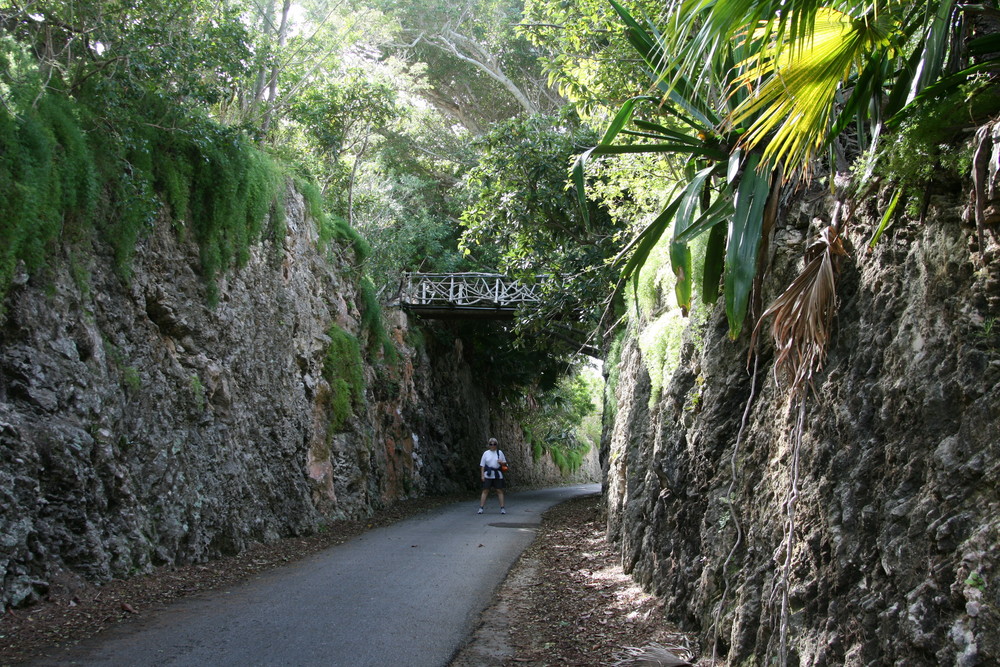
(469, 295)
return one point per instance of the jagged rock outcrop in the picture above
(140, 425)
(895, 557)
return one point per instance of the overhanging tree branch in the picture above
(470, 51)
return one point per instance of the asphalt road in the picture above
(409, 594)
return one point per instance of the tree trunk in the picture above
(267, 27)
(272, 87)
(474, 53)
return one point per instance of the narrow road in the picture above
(407, 594)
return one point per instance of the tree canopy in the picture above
(561, 138)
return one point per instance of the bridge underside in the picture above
(481, 296)
(461, 312)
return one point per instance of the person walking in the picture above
(491, 467)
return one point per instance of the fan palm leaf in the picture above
(793, 87)
(775, 80)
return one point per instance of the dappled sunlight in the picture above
(588, 563)
(583, 605)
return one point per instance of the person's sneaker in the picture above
(503, 511)
(480, 511)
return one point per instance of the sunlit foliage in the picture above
(561, 421)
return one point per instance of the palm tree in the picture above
(752, 94)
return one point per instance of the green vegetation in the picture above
(45, 180)
(613, 364)
(975, 580)
(132, 379)
(744, 108)
(930, 152)
(435, 137)
(115, 120)
(566, 423)
(343, 369)
(653, 312)
(522, 220)
(747, 100)
(989, 332)
(660, 342)
(198, 391)
(197, 114)
(62, 175)
(331, 226)
(371, 321)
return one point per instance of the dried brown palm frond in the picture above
(985, 168)
(803, 314)
(655, 655)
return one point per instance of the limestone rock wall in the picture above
(896, 508)
(140, 425)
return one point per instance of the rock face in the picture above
(892, 500)
(455, 415)
(140, 425)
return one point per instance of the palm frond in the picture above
(793, 87)
(702, 33)
(803, 314)
(667, 141)
(934, 36)
(637, 251)
(680, 252)
(745, 233)
(715, 263)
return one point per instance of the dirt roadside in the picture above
(566, 601)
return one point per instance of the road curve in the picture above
(407, 594)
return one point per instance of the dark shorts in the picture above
(493, 483)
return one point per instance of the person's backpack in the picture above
(503, 464)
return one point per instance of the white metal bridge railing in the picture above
(467, 291)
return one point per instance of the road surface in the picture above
(409, 594)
